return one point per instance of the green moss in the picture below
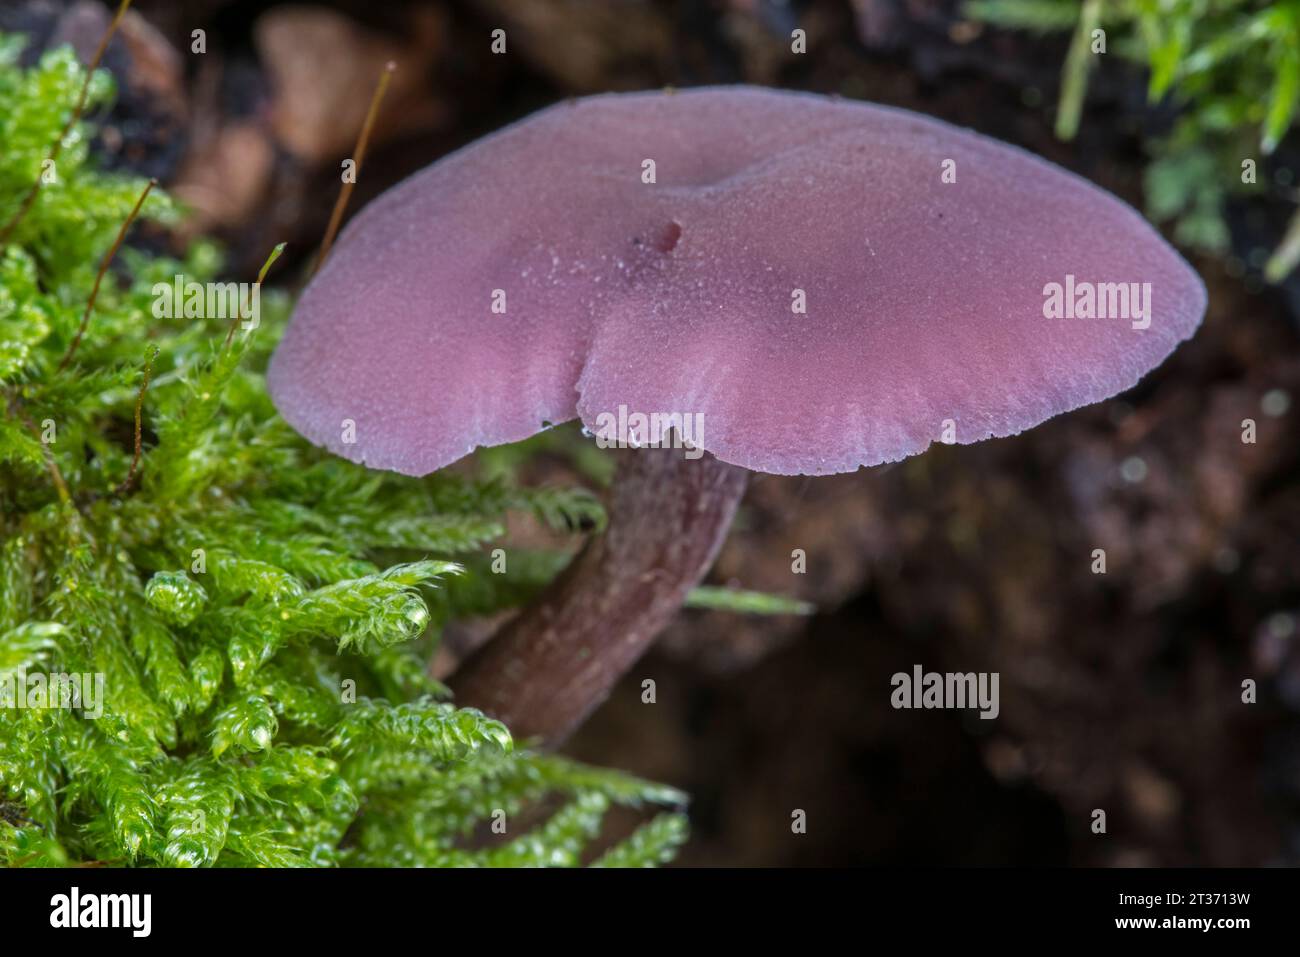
(260, 611)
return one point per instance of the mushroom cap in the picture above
(925, 298)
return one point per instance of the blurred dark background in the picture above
(1120, 691)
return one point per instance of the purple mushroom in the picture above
(797, 284)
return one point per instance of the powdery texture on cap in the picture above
(924, 298)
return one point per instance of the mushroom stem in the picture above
(550, 667)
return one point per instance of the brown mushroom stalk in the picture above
(549, 668)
